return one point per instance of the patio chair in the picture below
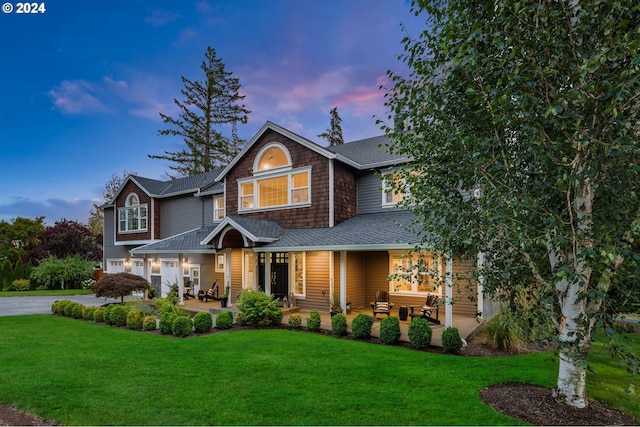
(427, 309)
(209, 294)
(187, 289)
(381, 304)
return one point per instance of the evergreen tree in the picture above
(209, 107)
(334, 134)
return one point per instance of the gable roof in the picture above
(258, 230)
(173, 187)
(369, 153)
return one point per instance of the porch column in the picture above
(180, 279)
(448, 280)
(145, 274)
(343, 281)
(267, 273)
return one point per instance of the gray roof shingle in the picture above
(369, 152)
(188, 242)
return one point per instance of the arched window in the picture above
(272, 156)
(133, 216)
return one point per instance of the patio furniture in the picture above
(427, 309)
(210, 294)
(381, 304)
(187, 290)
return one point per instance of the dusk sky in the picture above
(82, 83)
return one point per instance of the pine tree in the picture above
(334, 134)
(209, 106)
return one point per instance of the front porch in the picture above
(465, 324)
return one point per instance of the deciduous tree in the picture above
(119, 285)
(96, 218)
(522, 119)
(209, 107)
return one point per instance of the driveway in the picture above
(16, 306)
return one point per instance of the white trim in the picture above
(448, 279)
(258, 158)
(331, 193)
(272, 174)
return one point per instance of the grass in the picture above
(80, 373)
(48, 292)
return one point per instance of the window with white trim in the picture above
(297, 265)
(414, 274)
(133, 216)
(218, 208)
(391, 196)
(274, 183)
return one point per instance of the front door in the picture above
(278, 273)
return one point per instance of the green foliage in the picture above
(503, 332)
(258, 308)
(361, 325)
(56, 273)
(149, 323)
(339, 324)
(119, 285)
(170, 305)
(182, 326)
(21, 284)
(107, 314)
(166, 323)
(420, 333)
(69, 307)
(202, 322)
(313, 321)
(98, 315)
(89, 313)
(118, 315)
(390, 330)
(135, 318)
(209, 105)
(76, 313)
(224, 320)
(451, 341)
(295, 321)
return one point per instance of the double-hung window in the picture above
(391, 193)
(218, 208)
(133, 216)
(414, 273)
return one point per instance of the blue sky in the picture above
(82, 84)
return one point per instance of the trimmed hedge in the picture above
(202, 322)
(118, 315)
(339, 324)
(98, 315)
(182, 326)
(313, 321)
(361, 325)
(420, 333)
(224, 320)
(295, 321)
(390, 330)
(88, 313)
(451, 341)
(149, 323)
(135, 318)
(166, 323)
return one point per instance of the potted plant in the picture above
(334, 307)
(225, 297)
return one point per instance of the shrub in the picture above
(118, 315)
(170, 305)
(58, 306)
(145, 308)
(295, 321)
(21, 284)
(258, 308)
(361, 326)
(68, 308)
(451, 341)
(503, 333)
(135, 318)
(149, 323)
(313, 321)
(166, 323)
(339, 324)
(98, 315)
(224, 320)
(420, 333)
(390, 330)
(77, 311)
(88, 312)
(202, 322)
(119, 285)
(182, 326)
(107, 314)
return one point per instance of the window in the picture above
(220, 263)
(391, 196)
(218, 208)
(132, 217)
(272, 156)
(297, 272)
(413, 274)
(288, 189)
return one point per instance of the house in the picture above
(304, 222)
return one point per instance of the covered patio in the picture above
(465, 324)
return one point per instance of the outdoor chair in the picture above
(187, 289)
(381, 304)
(427, 309)
(209, 294)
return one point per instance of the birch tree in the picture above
(522, 121)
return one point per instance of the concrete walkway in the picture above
(18, 306)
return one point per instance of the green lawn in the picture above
(56, 292)
(80, 373)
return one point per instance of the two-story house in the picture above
(287, 216)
